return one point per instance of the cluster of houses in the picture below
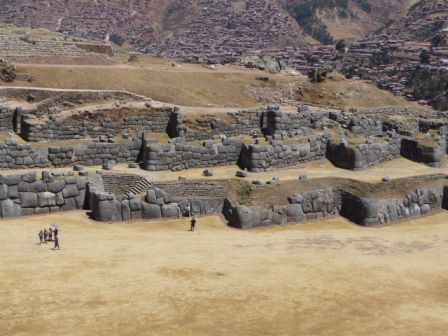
(222, 32)
(87, 19)
(387, 56)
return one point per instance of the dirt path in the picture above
(326, 278)
(398, 168)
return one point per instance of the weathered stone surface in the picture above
(10, 209)
(70, 190)
(46, 199)
(38, 187)
(3, 192)
(28, 199)
(56, 186)
(295, 213)
(170, 210)
(151, 211)
(125, 210)
(69, 204)
(109, 211)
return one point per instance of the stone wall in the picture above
(22, 195)
(258, 158)
(363, 125)
(6, 119)
(55, 129)
(234, 124)
(324, 203)
(364, 155)
(183, 156)
(25, 156)
(21, 156)
(293, 123)
(434, 156)
(369, 212)
(312, 205)
(156, 205)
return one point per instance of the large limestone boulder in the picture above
(46, 199)
(151, 211)
(170, 210)
(28, 199)
(10, 209)
(109, 210)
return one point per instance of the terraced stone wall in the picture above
(65, 130)
(6, 119)
(183, 156)
(364, 155)
(259, 158)
(324, 203)
(431, 155)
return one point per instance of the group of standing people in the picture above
(49, 235)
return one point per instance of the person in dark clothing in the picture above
(56, 243)
(55, 232)
(50, 234)
(193, 224)
(41, 237)
(45, 235)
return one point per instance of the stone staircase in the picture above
(121, 184)
(141, 186)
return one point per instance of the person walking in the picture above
(193, 224)
(45, 235)
(41, 237)
(50, 234)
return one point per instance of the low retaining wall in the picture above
(237, 123)
(278, 121)
(6, 119)
(324, 203)
(431, 156)
(24, 156)
(369, 212)
(313, 205)
(183, 156)
(22, 195)
(64, 130)
(364, 155)
(21, 156)
(258, 158)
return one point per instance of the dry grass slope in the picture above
(195, 85)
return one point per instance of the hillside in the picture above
(409, 56)
(197, 85)
(331, 20)
(166, 27)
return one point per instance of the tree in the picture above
(425, 57)
(340, 46)
(117, 39)
(318, 75)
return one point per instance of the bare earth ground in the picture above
(325, 278)
(394, 169)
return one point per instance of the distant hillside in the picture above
(251, 24)
(330, 20)
(409, 56)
